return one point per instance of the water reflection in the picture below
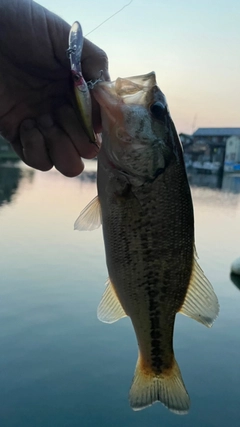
(205, 180)
(88, 176)
(226, 182)
(231, 183)
(10, 177)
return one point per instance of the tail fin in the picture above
(167, 388)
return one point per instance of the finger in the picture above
(68, 120)
(34, 150)
(60, 147)
(94, 60)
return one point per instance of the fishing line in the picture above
(118, 11)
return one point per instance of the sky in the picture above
(192, 45)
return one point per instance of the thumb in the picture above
(93, 61)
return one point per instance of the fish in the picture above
(82, 97)
(145, 207)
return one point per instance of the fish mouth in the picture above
(106, 97)
(139, 90)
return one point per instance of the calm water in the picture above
(60, 366)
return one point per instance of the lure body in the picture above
(81, 90)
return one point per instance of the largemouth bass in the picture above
(145, 207)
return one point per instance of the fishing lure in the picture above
(81, 87)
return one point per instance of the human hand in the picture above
(36, 112)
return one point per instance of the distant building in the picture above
(215, 136)
(186, 139)
(215, 140)
(207, 147)
(232, 156)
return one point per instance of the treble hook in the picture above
(92, 83)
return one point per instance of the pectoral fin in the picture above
(201, 302)
(90, 218)
(110, 309)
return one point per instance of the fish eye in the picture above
(76, 77)
(158, 111)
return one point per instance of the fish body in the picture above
(145, 207)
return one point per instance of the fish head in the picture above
(137, 126)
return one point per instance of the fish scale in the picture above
(148, 267)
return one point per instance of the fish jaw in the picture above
(111, 104)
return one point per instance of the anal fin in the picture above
(110, 309)
(200, 302)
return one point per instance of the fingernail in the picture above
(45, 121)
(28, 124)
